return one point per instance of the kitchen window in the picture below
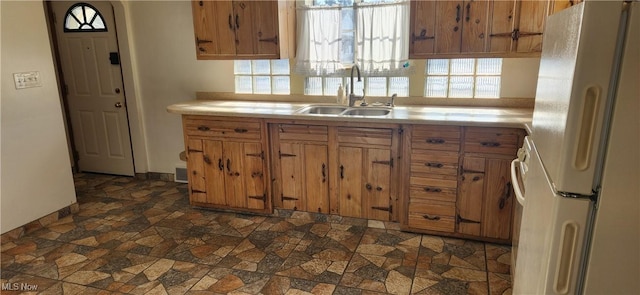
(375, 86)
(335, 34)
(262, 76)
(463, 78)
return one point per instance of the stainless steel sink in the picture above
(338, 110)
(367, 112)
(323, 110)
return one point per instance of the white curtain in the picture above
(318, 52)
(382, 40)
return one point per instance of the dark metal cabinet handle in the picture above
(458, 13)
(324, 174)
(505, 196)
(240, 130)
(435, 140)
(423, 36)
(434, 165)
(237, 22)
(230, 22)
(341, 172)
(220, 165)
(228, 165)
(490, 144)
(432, 189)
(431, 217)
(468, 12)
(203, 128)
(368, 186)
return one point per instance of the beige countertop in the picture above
(440, 115)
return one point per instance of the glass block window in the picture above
(375, 86)
(83, 17)
(463, 78)
(262, 76)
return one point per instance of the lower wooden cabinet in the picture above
(301, 167)
(461, 190)
(227, 167)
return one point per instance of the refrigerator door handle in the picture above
(587, 131)
(515, 182)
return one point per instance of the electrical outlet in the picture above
(27, 79)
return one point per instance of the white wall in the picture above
(168, 72)
(35, 169)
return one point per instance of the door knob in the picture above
(117, 90)
(118, 105)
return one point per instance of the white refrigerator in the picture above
(580, 229)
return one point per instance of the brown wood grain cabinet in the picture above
(459, 182)
(558, 5)
(366, 170)
(476, 28)
(226, 163)
(301, 167)
(228, 29)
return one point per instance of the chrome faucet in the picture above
(352, 97)
(392, 102)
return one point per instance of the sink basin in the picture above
(323, 110)
(367, 112)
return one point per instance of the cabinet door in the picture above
(316, 178)
(195, 165)
(243, 19)
(377, 197)
(502, 26)
(254, 176)
(531, 25)
(234, 176)
(475, 22)
(291, 175)
(214, 30)
(350, 181)
(470, 196)
(265, 28)
(214, 172)
(423, 26)
(449, 28)
(498, 200)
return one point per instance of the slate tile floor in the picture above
(141, 237)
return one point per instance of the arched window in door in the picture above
(83, 17)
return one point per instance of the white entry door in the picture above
(88, 49)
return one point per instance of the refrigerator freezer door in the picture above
(551, 236)
(614, 260)
(573, 86)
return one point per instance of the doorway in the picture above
(92, 83)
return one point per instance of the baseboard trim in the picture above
(41, 222)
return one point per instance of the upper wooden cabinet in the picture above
(557, 5)
(476, 28)
(244, 29)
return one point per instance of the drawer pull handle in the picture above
(435, 140)
(220, 165)
(490, 144)
(432, 189)
(240, 130)
(434, 165)
(324, 174)
(204, 128)
(430, 217)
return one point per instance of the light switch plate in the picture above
(27, 79)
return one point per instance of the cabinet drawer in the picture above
(442, 189)
(303, 132)
(222, 129)
(440, 138)
(371, 136)
(438, 216)
(434, 162)
(492, 140)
